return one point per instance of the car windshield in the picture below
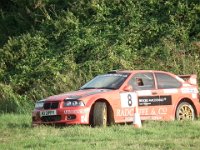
(106, 81)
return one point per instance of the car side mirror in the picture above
(128, 88)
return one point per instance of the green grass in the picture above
(16, 133)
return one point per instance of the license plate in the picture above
(48, 113)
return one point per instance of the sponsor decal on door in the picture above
(154, 100)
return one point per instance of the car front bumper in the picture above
(74, 115)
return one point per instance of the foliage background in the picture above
(53, 46)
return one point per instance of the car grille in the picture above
(51, 105)
(51, 118)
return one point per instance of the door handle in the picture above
(154, 93)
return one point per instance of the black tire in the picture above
(100, 115)
(185, 111)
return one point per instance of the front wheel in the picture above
(100, 114)
(185, 111)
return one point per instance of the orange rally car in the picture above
(112, 97)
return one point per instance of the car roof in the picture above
(137, 71)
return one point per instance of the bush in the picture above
(56, 46)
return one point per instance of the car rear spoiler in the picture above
(191, 79)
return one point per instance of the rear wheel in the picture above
(185, 111)
(100, 115)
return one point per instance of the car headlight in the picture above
(39, 104)
(73, 103)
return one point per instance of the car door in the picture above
(168, 87)
(147, 94)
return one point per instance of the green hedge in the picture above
(53, 46)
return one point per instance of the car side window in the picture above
(166, 81)
(142, 81)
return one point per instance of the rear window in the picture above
(166, 81)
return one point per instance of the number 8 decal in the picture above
(130, 100)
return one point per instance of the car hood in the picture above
(77, 94)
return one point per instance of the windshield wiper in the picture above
(112, 88)
(105, 87)
(87, 88)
